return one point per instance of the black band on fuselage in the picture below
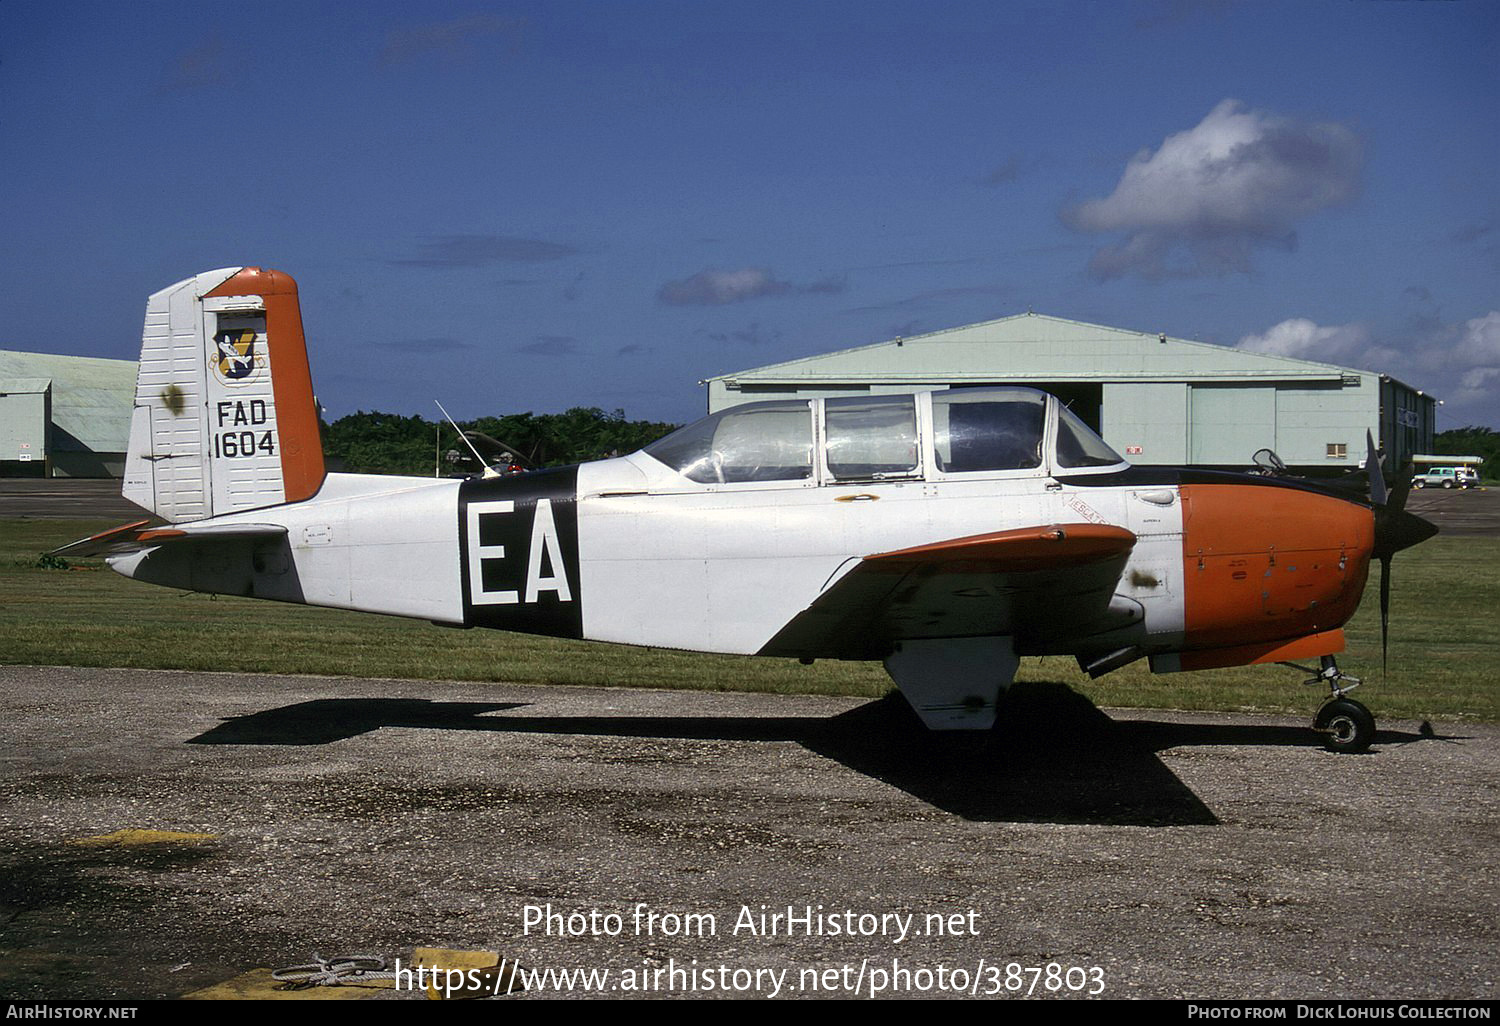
(524, 574)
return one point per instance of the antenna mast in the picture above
(488, 471)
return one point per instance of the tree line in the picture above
(1471, 441)
(386, 443)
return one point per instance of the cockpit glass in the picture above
(754, 442)
(1079, 446)
(871, 438)
(988, 429)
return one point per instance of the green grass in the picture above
(90, 616)
(1445, 642)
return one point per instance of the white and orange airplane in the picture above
(946, 533)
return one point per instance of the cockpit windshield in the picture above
(1078, 446)
(755, 442)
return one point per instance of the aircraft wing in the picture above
(1040, 582)
(143, 534)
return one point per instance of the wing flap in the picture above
(1054, 579)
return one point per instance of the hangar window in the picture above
(873, 438)
(988, 429)
(755, 442)
(1338, 450)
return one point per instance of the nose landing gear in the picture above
(1346, 725)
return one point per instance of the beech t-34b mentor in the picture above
(945, 533)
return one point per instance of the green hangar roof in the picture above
(1032, 347)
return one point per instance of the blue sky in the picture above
(533, 206)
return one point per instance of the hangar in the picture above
(64, 416)
(1154, 398)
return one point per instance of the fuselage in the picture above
(1225, 567)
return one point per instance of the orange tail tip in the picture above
(297, 409)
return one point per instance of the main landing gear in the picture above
(1346, 725)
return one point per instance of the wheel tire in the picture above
(1421, 484)
(1346, 726)
(1447, 484)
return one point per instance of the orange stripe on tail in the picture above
(296, 410)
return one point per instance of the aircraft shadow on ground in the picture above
(1054, 757)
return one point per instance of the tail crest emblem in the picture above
(235, 361)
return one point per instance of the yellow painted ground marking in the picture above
(257, 985)
(130, 836)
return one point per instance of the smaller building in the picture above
(1156, 399)
(64, 416)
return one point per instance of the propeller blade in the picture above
(494, 445)
(1378, 492)
(1385, 612)
(1395, 529)
(1397, 500)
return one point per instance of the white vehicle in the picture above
(945, 533)
(1446, 477)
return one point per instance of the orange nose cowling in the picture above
(1263, 563)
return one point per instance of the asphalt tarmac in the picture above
(1141, 854)
(65, 498)
(1471, 511)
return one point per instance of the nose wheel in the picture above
(1346, 725)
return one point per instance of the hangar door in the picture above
(25, 410)
(1228, 423)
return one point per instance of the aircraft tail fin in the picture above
(224, 417)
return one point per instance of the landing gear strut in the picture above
(1346, 725)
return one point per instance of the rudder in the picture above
(224, 417)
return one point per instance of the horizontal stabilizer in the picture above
(143, 534)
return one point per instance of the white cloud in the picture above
(1480, 378)
(1458, 363)
(1208, 196)
(1302, 339)
(716, 288)
(1479, 342)
(1477, 355)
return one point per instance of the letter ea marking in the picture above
(544, 539)
(518, 553)
(479, 552)
(546, 547)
